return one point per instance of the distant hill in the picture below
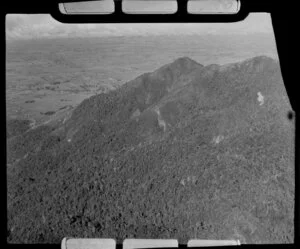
(187, 151)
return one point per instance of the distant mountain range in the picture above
(187, 151)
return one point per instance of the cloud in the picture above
(36, 26)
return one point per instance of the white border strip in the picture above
(202, 243)
(149, 243)
(86, 243)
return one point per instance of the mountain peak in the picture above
(259, 63)
(180, 66)
(259, 59)
(185, 59)
(253, 64)
(185, 62)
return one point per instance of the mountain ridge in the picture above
(185, 151)
(167, 70)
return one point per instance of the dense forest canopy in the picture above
(187, 151)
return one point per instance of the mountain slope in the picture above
(187, 151)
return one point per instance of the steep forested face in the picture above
(187, 149)
(160, 136)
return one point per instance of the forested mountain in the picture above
(187, 151)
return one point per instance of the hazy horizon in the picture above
(37, 26)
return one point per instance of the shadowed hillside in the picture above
(187, 151)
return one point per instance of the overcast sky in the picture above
(44, 26)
